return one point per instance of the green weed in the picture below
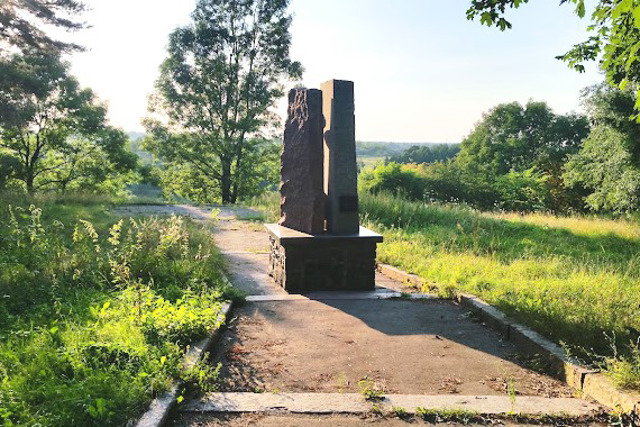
(400, 413)
(447, 415)
(95, 316)
(370, 389)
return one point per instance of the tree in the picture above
(426, 154)
(605, 166)
(216, 87)
(608, 164)
(515, 137)
(512, 138)
(54, 130)
(615, 35)
(22, 24)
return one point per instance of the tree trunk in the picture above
(29, 180)
(225, 182)
(238, 171)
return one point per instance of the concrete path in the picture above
(333, 348)
(408, 347)
(350, 403)
(297, 420)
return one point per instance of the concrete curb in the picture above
(354, 403)
(338, 295)
(161, 406)
(591, 383)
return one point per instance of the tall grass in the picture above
(268, 203)
(574, 279)
(96, 313)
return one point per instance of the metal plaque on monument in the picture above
(318, 243)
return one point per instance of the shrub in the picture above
(522, 191)
(95, 318)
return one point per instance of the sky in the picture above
(422, 72)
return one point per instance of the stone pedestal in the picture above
(301, 262)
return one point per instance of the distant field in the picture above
(366, 161)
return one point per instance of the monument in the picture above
(318, 243)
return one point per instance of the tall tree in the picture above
(23, 24)
(615, 36)
(55, 131)
(426, 154)
(529, 140)
(515, 137)
(222, 74)
(608, 164)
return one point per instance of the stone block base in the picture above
(302, 262)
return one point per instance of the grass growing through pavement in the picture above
(575, 279)
(96, 313)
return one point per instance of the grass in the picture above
(449, 415)
(575, 279)
(145, 194)
(96, 312)
(268, 203)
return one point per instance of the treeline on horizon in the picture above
(527, 158)
(55, 137)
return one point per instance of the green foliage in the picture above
(8, 167)
(188, 182)
(512, 160)
(203, 376)
(370, 389)
(96, 315)
(400, 412)
(426, 154)
(522, 191)
(515, 137)
(608, 164)
(216, 89)
(379, 149)
(23, 24)
(571, 278)
(55, 133)
(624, 368)
(268, 203)
(393, 178)
(607, 168)
(445, 182)
(447, 415)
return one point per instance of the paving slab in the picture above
(401, 346)
(354, 403)
(298, 420)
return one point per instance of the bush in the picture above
(447, 182)
(395, 179)
(95, 317)
(436, 182)
(522, 191)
